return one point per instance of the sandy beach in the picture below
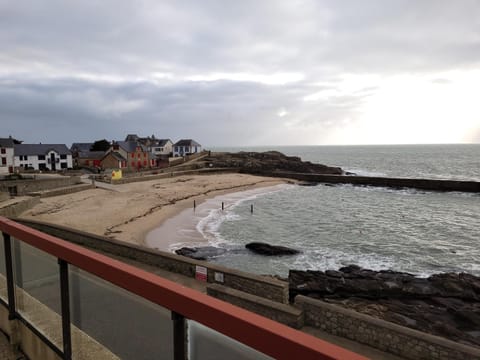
(129, 211)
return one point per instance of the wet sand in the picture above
(130, 211)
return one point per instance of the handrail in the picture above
(260, 333)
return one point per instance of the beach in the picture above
(128, 212)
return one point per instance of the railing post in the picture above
(9, 273)
(179, 337)
(65, 299)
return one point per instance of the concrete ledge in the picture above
(282, 313)
(63, 191)
(16, 208)
(269, 288)
(383, 335)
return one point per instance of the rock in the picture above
(446, 304)
(264, 162)
(200, 253)
(270, 250)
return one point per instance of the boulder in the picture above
(200, 253)
(270, 250)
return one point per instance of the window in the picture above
(139, 155)
(133, 163)
(63, 156)
(144, 154)
(144, 162)
(4, 161)
(63, 165)
(41, 157)
(133, 155)
(3, 150)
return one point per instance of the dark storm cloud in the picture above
(72, 71)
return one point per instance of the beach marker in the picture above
(222, 206)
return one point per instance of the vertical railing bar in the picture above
(179, 337)
(65, 300)
(9, 273)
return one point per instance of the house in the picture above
(162, 148)
(136, 155)
(113, 160)
(186, 147)
(42, 156)
(90, 159)
(6, 155)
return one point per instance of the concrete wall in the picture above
(4, 196)
(383, 335)
(282, 313)
(423, 184)
(24, 187)
(15, 209)
(261, 286)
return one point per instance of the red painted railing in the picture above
(262, 334)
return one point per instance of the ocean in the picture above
(418, 232)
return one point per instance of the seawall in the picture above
(423, 184)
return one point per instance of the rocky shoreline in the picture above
(446, 304)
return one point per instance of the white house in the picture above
(161, 148)
(186, 147)
(6, 155)
(42, 156)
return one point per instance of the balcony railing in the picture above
(80, 302)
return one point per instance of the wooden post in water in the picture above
(251, 208)
(222, 206)
(194, 204)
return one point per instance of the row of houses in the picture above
(134, 153)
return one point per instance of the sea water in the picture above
(419, 232)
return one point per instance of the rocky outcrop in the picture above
(261, 162)
(446, 304)
(270, 250)
(200, 253)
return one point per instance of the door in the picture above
(52, 162)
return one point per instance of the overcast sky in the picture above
(241, 72)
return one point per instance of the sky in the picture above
(241, 73)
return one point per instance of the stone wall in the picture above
(24, 187)
(383, 335)
(262, 286)
(4, 196)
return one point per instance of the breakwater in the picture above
(422, 184)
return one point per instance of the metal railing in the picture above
(186, 305)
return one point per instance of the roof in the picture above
(187, 142)
(81, 146)
(91, 154)
(163, 142)
(116, 155)
(130, 146)
(131, 137)
(40, 149)
(6, 142)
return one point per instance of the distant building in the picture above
(162, 148)
(186, 147)
(52, 157)
(91, 159)
(6, 155)
(113, 160)
(136, 155)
